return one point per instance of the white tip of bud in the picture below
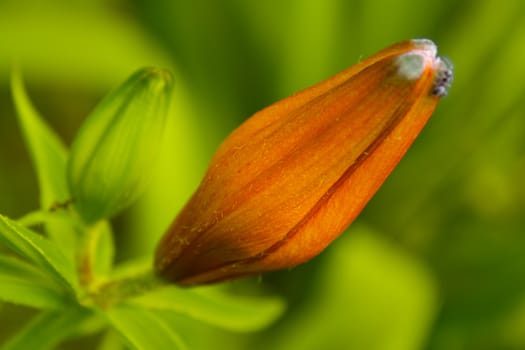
(426, 45)
(412, 64)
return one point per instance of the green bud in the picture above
(112, 155)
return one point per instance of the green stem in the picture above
(89, 236)
(115, 291)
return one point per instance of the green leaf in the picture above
(39, 250)
(47, 151)
(142, 329)
(23, 284)
(48, 329)
(111, 340)
(211, 306)
(49, 157)
(59, 224)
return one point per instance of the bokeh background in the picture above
(435, 261)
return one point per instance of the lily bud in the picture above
(294, 176)
(117, 145)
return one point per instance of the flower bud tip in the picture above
(158, 79)
(413, 63)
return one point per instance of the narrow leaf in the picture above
(49, 157)
(47, 151)
(39, 250)
(142, 329)
(48, 329)
(216, 308)
(59, 225)
(23, 284)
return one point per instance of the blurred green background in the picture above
(436, 260)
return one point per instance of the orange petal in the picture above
(290, 179)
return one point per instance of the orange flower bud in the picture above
(291, 178)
